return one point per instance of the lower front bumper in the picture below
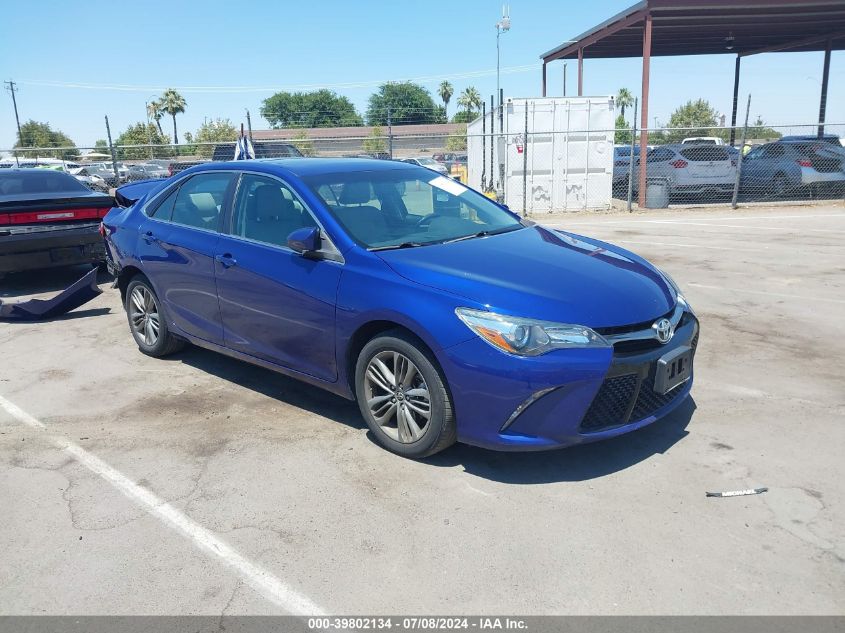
(492, 390)
(28, 250)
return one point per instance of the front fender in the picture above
(426, 312)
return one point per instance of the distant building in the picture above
(408, 140)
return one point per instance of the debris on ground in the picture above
(737, 493)
(79, 293)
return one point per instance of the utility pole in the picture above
(11, 87)
(502, 26)
(113, 156)
(564, 79)
(249, 125)
(389, 133)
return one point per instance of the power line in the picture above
(294, 87)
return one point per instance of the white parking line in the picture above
(744, 226)
(673, 244)
(260, 579)
(768, 294)
(716, 219)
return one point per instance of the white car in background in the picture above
(703, 140)
(429, 163)
(692, 169)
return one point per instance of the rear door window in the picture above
(706, 153)
(165, 208)
(199, 201)
(660, 155)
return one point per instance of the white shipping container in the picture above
(569, 153)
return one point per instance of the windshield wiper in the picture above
(484, 233)
(402, 245)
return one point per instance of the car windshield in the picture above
(408, 207)
(426, 161)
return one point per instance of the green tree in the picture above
(155, 112)
(759, 130)
(210, 132)
(470, 100)
(37, 134)
(321, 108)
(173, 103)
(694, 118)
(623, 131)
(457, 141)
(142, 134)
(624, 100)
(303, 143)
(464, 116)
(445, 91)
(407, 103)
(101, 146)
(375, 142)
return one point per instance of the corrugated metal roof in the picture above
(706, 27)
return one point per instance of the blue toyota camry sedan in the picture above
(444, 315)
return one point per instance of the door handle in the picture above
(149, 238)
(227, 261)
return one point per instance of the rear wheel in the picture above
(403, 396)
(146, 320)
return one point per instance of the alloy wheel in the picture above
(397, 396)
(144, 315)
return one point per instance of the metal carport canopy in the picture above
(708, 27)
(701, 27)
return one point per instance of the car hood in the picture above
(541, 273)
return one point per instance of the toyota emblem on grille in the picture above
(664, 330)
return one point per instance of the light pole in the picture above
(502, 26)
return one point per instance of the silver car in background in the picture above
(147, 171)
(691, 169)
(776, 169)
(428, 162)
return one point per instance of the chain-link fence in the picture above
(531, 169)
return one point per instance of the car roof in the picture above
(311, 166)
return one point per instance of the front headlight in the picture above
(528, 337)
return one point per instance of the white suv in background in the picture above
(693, 169)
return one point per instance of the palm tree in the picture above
(470, 99)
(173, 103)
(154, 111)
(624, 99)
(446, 91)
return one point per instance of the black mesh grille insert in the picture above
(611, 403)
(648, 401)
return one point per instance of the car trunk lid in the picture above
(707, 161)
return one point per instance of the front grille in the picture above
(649, 401)
(634, 327)
(611, 404)
(644, 345)
(627, 398)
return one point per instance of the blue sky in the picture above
(154, 44)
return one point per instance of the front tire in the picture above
(403, 397)
(147, 321)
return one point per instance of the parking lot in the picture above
(202, 485)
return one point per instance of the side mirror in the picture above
(305, 240)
